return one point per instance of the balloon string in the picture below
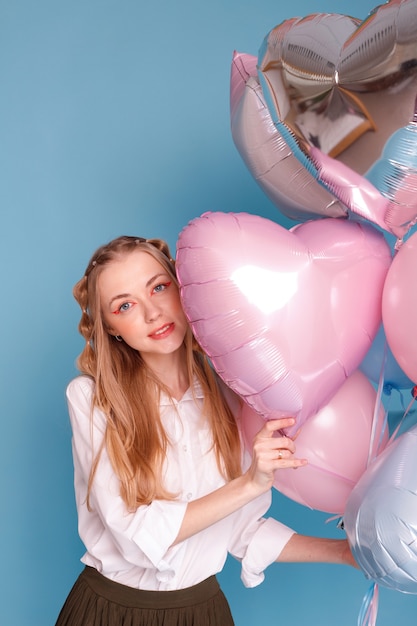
(339, 521)
(394, 434)
(369, 609)
(374, 447)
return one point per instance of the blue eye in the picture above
(161, 287)
(122, 308)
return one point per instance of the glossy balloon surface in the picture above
(387, 194)
(327, 440)
(284, 316)
(399, 307)
(334, 79)
(322, 120)
(381, 516)
(267, 154)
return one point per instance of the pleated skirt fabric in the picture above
(95, 600)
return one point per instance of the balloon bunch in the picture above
(305, 321)
(381, 512)
(325, 119)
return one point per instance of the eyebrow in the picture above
(127, 295)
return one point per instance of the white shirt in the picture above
(134, 548)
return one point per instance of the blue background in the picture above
(115, 120)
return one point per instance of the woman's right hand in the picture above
(272, 450)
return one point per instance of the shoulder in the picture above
(80, 388)
(80, 400)
(87, 421)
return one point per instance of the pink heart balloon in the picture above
(285, 316)
(338, 442)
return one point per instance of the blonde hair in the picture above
(127, 391)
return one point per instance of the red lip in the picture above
(162, 332)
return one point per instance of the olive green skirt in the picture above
(95, 600)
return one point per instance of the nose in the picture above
(151, 311)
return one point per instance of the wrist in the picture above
(253, 488)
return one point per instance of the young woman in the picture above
(163, 488)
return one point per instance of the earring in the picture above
(118, 337)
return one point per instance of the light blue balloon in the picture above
(381, 516)
(398, 161)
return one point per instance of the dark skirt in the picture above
(95, 600)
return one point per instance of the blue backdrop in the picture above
(115, 120)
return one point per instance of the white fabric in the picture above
(134, 548)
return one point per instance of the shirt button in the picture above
(189, 496)
(185, 448)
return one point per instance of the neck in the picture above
(172, 372)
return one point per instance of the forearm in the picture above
(203, 512)
(306, 549)
(269, 454)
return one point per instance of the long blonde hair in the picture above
(127, 391)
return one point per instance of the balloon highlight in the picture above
(285, 316)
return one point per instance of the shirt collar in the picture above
(165, 400)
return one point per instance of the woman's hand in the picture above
(271, 451)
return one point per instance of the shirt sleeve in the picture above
(142, 538)
(264, 548)
(259, 542)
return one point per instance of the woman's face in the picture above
(140, 303)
